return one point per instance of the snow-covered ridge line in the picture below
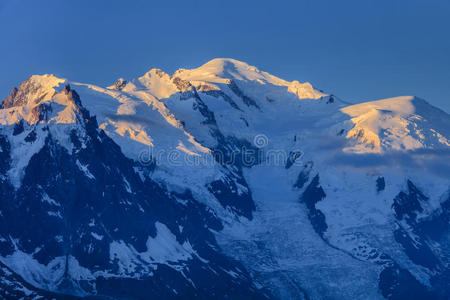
(373, 127)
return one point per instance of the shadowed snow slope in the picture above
(221, 181)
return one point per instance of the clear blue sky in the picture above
(358, 50)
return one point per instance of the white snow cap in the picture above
(400, 123)
(222, 70)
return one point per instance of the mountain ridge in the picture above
(205, 186)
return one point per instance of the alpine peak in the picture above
(36, 88)
(226, 70)
(42, 98)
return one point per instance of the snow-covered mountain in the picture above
(221, 181)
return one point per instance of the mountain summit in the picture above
(222, 181)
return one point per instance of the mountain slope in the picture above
(224, 180)
(94, 226)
